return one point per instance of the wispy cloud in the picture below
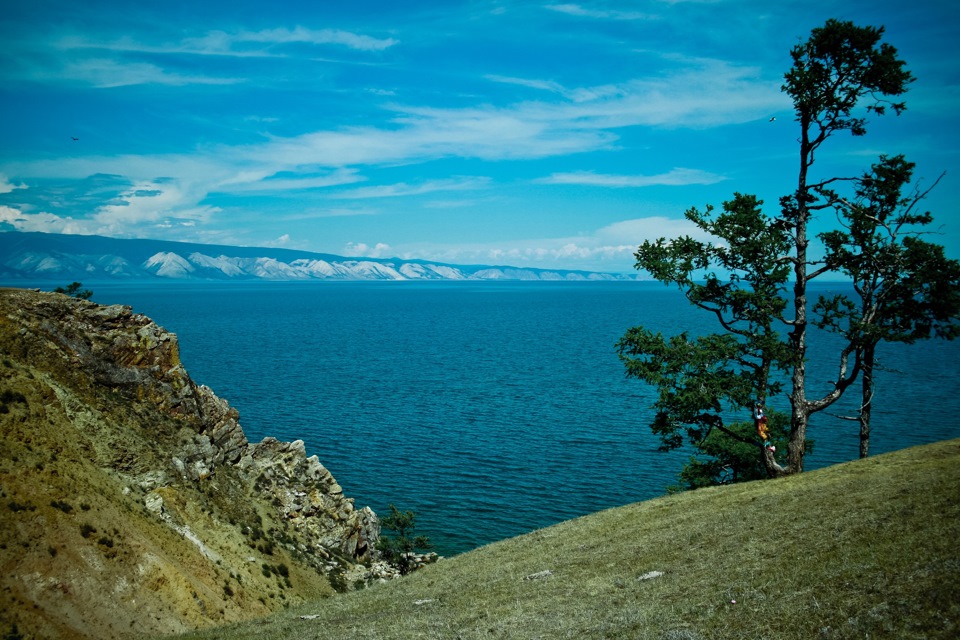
(403, 189)
(419, 134)
(329, 158)
(265, 179)
(676, 99)
(675, 177)
(539, 129)
(578, 94)
(238, 43)
(606, 14)
(107, 62)
(107, 73)
(224, 43)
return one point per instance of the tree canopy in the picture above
(754, 273)
(74, 290)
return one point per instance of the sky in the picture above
(545, 134)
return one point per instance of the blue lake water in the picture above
(489, 409)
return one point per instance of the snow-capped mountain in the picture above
(47, 256)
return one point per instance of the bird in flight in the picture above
(771, 120)
(74, 138)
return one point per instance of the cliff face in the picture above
(131, 502)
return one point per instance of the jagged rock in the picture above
(166, 475)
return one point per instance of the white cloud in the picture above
(266, 179)
(530, 130)
(609, 248)
(224, 43)
(544, 85)
(361, 250)
(403, 189)
(610, 14)
(421, 134)
(578, 94)
(106, 73)
(552, 253)
(697, 94)
(136, 209)
(459, 203)
(163, 204)
(6, 186)
(638, 230)
(585, 120)
(108, 63)
(42, 222)
(675, 177)
(318, 37)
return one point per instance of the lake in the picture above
(490, 409)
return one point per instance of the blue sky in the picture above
(542, 134)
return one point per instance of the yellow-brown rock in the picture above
(131, 503)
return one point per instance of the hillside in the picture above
(131, 502)
(866, 549)
(132, 505)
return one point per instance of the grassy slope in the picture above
(864, 549)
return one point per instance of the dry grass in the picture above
(865, 549)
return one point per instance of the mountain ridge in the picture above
(58, 257)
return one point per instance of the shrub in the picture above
(12, 396)
(73, 289)
(399, 548)
(338, 581)
(9, 397)
(17, 507)
(63, 506)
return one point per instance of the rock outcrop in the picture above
(132, 503)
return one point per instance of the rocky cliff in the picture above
(131, 502)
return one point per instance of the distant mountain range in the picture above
(64, 258)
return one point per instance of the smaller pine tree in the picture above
(74, 291)
(399, 548)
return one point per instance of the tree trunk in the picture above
(866, 398)
(800, 412)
